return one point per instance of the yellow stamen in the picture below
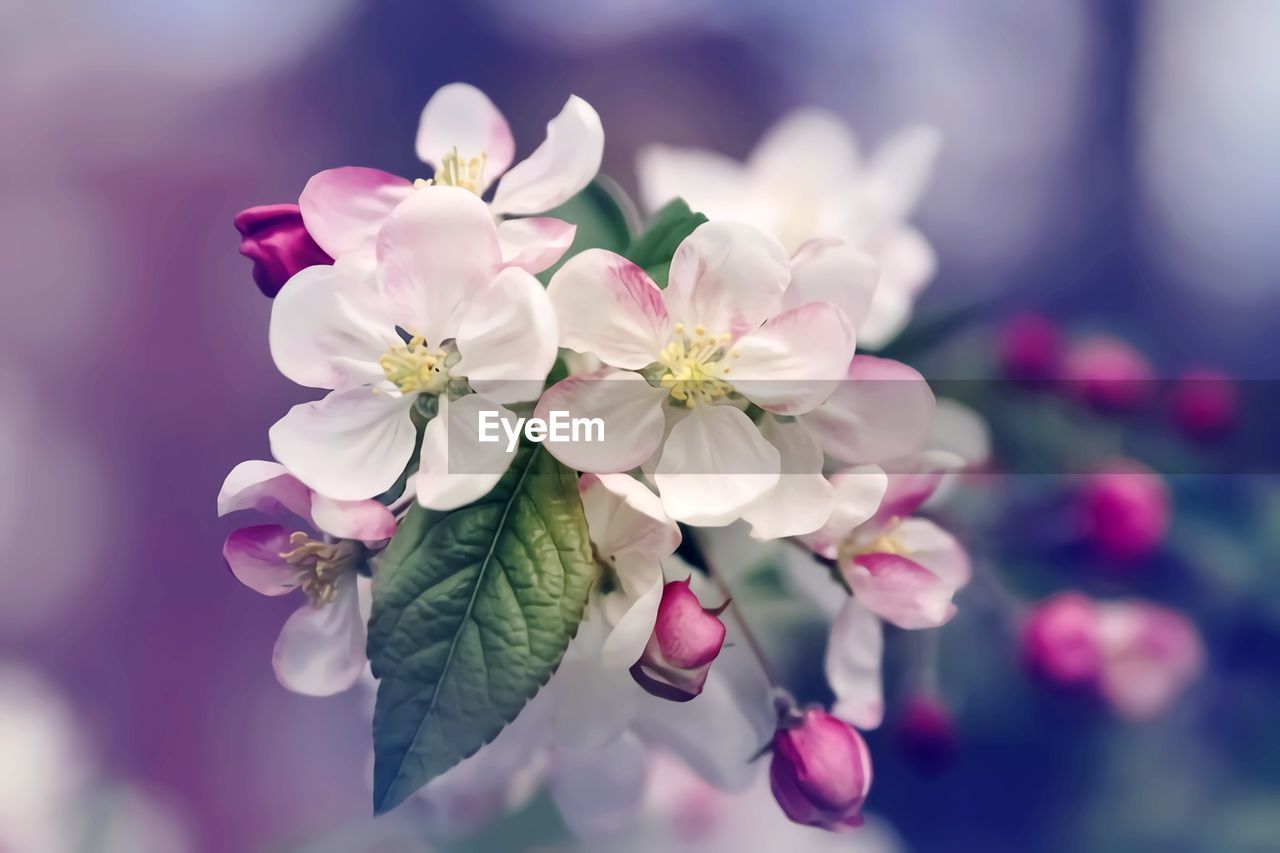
(455, 171)
(695, 369)
(413, 368)
(323, 563)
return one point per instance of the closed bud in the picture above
(277, 241)
(1204, 404)
(1109, 374)
(1124, 510)
(925, 735)
(821, 771)
(1030, 348)
(686, 638)
(1060, 641)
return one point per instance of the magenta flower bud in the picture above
(1030, 348)
(821, 771)
(278, 243)
(1204, 404)
(1060, 641)
(925, 734)
(686, 638)
(1109, 374)
(1124, 510)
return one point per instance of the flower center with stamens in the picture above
(322, 563)
(455, 171)
(697, 366)
(416, 369)
(884, 543)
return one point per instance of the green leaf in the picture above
(653, 249)
(472, 611)
(600, 212)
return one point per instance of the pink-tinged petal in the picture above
(1059, 640)
(461, 119)
(561, 166)
(507, 339)
(535, 242)
(830, 271)
(629, 410)
(435, 251)
(726, 277)
(276, 240)
(935, 549)
(802, 500)
(266, 487)
(794, 362)
(709, 182)
(626, 518)
(367, 521)
(820, 772)
(899, 170)
(714, 464)
(320, 650)
(817, 138)
(910, 486)
(852, 665)
(900, 590)
(599, 791)
(253, 555)
(459, 464)
(351, 445)
(608, 306)
(882, 410)
(859, 491)
(344, 208)
(328, 329)
(631, 632)
(1150, 655)
(686, 639)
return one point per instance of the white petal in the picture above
(599, 791)
(628, 408)
(900, 169)
(710, 182)
(809, 145)
(351, 445)
(436, 250)
(714, 463)
(320, 650)
(264, 486)
(535, 242)
(608, 306)
(460, 118)
(859, 493)
(727, 277)
(935, 549)
(854, 652)
(344, 208)
(802, 500)
(328, 329)
(830, 271)
(631, 633)
(561, 166)
(792, 363)
(959, 430)
(457, 467)
(625, 517)
(507, 338)
(368, 521)
(883, 410)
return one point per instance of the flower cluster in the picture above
(556, 610)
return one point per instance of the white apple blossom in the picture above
(804, 181)
(320, 650)
(439, 317)
(736, 326)
(468, 144)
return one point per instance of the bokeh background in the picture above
(1112, 164)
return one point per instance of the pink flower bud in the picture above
(1204, 404)
(1030, 348)
(1152, 653)
(277, 242)
(1060, 640)
(686, 638)
(926, 735)
(1109, 374)
(1124, 510)
(821, 771)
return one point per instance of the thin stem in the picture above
(832, 566)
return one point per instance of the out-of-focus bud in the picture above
(1060, 640)
(926, 735)
(1204, 404)
(278, 243)
(686, 638)
(1124, 510)
(1109, 373)
(1152, 654)
(1030, 348)
(821, 770)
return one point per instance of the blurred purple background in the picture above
(1111, 163)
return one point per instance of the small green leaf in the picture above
(472, 611)
(653, 249)
(600, 212)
